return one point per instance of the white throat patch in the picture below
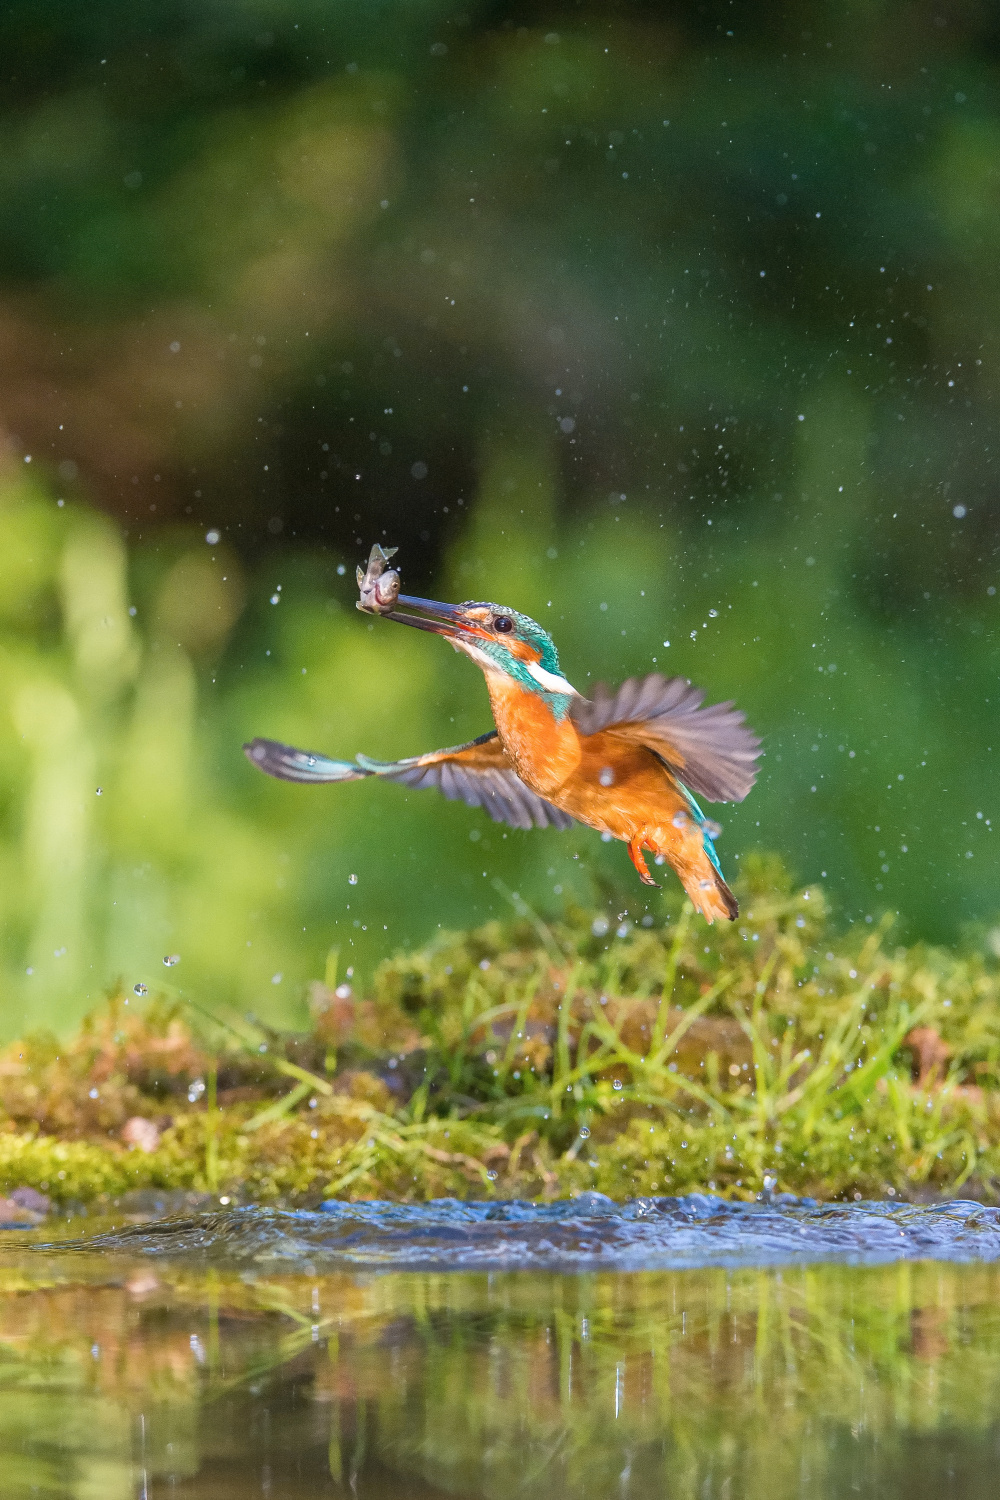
(551, 681)
(473, 653)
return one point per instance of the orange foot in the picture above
(635, 854)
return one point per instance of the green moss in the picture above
(532, 1059)
(69, 1171)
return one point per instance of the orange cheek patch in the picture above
(523, 652)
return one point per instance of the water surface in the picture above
(286, 1355)
(588, 1232)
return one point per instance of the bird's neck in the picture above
(537, 733)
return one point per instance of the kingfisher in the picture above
(627, 763)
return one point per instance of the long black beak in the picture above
(442, 619)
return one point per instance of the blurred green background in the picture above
(663, 323)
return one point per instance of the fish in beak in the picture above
(378, 584)
(379, 588)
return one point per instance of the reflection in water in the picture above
(712, 1384)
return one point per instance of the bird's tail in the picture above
(703, 879)
(709, 893)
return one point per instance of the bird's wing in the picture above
(479, 774)
(711, 749)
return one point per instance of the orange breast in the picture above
(545, 752)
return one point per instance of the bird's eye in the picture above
(503, 624)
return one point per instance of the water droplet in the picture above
(599, 926)
(607, 776)
(275, 598)
(170, 959)
(140, 988)
(213, 537)
(100, 791)
(352, 880)
(713, 614)
(277, 978)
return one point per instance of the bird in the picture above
(626, 763)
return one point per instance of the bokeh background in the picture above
(674, 325)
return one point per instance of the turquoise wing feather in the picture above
(289, 764)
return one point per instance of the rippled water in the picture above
(698, 1351)
(589, 1232)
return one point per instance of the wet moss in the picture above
(534, 1059)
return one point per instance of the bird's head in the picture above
(498, 639)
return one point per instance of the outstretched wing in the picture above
(479, 774)
(711, 749)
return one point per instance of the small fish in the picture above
(379, 585)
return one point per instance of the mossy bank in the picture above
(538, 1058)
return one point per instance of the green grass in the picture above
(541, 1058)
